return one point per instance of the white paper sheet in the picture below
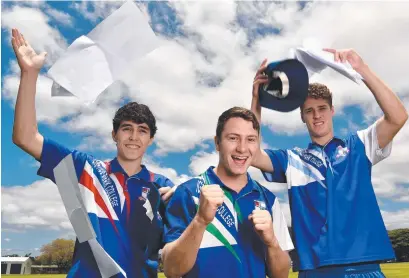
(317, 60)
(94, 61)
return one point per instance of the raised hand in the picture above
(260, 78)
(347, 55)
(27, 58)
(211, 197)
(263, 225)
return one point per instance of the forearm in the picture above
(393, 109)
(278, 261)
(25, 121)
(180, 255)
(256, 108)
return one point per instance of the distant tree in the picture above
(59, 252)
(12, 255)
(400, 243)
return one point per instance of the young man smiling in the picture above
(337, 225)
(121, 197)
(223, 223)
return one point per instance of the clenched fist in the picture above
(211, 197)
(263, 224)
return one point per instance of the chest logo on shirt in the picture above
(341, 153)
(145, 192)
(259, 205)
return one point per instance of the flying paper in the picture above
(96, 60)
(317, 60)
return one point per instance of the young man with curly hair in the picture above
(336, 221)
(122, 198)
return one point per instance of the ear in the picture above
(302, 116)
(113, 135)
(333, 110)
(150, 141)
(216, 143)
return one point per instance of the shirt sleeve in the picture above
(279, 159)
(52, 154)
(372, 150)
(280, 227)
(179, 213)
(163, 181)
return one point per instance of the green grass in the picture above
(395, 270)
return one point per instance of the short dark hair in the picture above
(317, 91)
(236, 112)
(137, 113)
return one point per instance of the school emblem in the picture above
(145, 192)
(341, 152)
(259, 205)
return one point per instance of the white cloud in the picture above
(34, 25)
(28, 206)
(61, 17)
(95, 10)
(396, 219)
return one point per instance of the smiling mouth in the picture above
(318, 123)
(239, 160)
(132, 146)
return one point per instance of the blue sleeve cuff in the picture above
(279, 161)
(52, 153)
(179, 213)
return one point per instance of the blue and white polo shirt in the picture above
(230, 247)
(123, 212)
(335, 214)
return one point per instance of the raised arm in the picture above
(395, 114)
(25, 131)
(180, 255)
(261, 159)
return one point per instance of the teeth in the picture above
(320, 123)
(132, 146)
(239, 157)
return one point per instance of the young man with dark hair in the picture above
(337, 225)
(122, 199)
(223, 223)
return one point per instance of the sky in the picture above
(206, 64)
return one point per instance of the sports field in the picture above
(395, 270)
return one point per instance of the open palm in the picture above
(27, 58)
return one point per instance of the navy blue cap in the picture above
(287, 88)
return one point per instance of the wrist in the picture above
(362, 69)
(273, 244)
(30, 73)
(200, 221)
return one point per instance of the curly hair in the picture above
(137, 113)
(320, 91)
(236, 112)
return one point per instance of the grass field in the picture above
(396, 270)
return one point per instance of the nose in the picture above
(241, 146)
(316, 114)
(134, 135)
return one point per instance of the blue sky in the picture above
(206, 65)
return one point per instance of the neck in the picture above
(323, 140)
(131, 167)
(234, 182)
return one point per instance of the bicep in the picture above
(35, 146)
(263, 162)
(385, 131)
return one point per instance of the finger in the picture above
(261, 70)
(20, 38)
(14, 36)
(261, 227)
(163, 190)
(167, 195)
(259, 220)
(330, 50)
(343, 57)
(14, 44)
(24, 40)
(263, 63)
